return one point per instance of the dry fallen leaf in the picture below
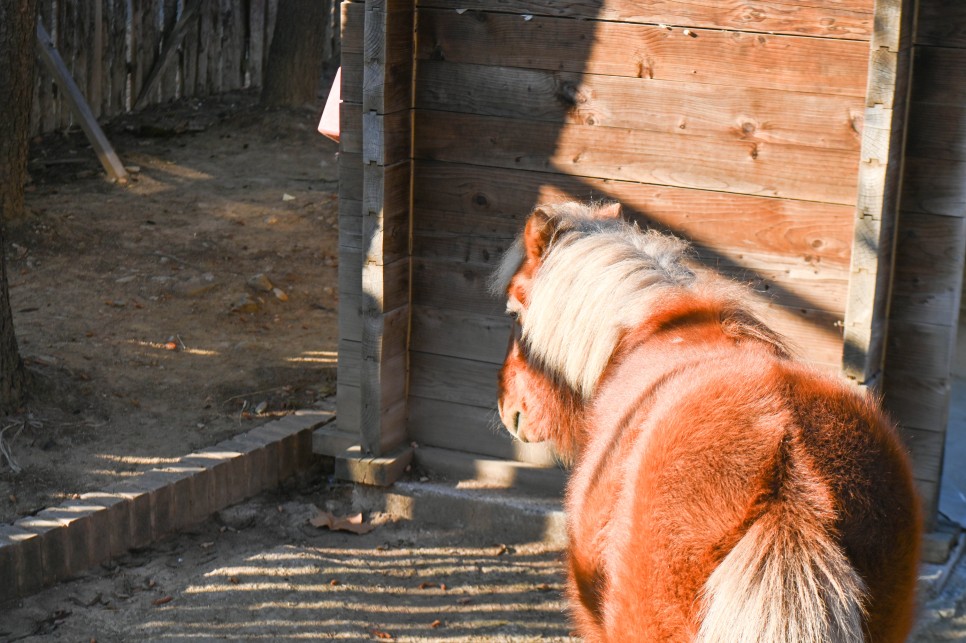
(162, 600)
(353, 523)
(233, 580)
(436, 623)
(379, 634)
(334, 582)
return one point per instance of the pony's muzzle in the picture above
(513, 421)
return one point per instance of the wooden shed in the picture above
(812, 150)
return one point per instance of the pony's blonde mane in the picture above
(592, 288)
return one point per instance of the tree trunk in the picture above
(297, 53)
(18, 49)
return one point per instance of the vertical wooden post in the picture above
(96, 97)
(348, 400)
(386, 209)
(880, 178)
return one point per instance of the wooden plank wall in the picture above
(110, 47)
(737, 126)
(931, 241)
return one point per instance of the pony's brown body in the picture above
(720, 491)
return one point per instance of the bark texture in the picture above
(18, 51)
(297, 53)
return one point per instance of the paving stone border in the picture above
(62, 542)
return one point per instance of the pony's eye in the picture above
(514, 308)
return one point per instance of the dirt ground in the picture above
(166, 315)
(259, 571)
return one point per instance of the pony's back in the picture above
(777, 497)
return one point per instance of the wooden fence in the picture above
(111, 48)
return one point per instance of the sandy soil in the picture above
(168, 314)
(260, 571)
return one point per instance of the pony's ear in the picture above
(540, 229)
(608, 211)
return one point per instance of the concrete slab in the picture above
(952, 493)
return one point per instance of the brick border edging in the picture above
(61, 542)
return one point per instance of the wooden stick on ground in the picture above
(55, 64)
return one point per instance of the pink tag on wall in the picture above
(329, 125)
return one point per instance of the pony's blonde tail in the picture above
(786, 580)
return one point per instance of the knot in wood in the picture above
(569, 94)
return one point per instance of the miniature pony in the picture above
(721, 491)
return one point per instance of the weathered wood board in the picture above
(775, 136)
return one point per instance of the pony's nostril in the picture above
(516, 421)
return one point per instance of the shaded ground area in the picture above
(259, 570)
(169, 314)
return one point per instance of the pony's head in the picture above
(575, 279)
(534, 404)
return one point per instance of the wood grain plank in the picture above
(457, 333)
(350, 128)
(349, 366)
(469, 429)
(189, 58)
(917, 402)
(385, 212)
(350, 176)
(937, 131)
(387, 137)
(453, 379)
(738, 113)
(461, 286)
(387, 60)
(256, 42)
(353, 27)
(926, 450)
(934, 187)
(352, 77)
(924, 349)
(846, 20)
(928, 274)
(350, 315)
(120, 96)
(206, 37)
(348, 408)
(772, 170)
(350, 225)
(941, 23)
(879, 183)
(271, 13)
(940, 76)
(493, 202)
(786, 280)
(96, 88)
(810, 65)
